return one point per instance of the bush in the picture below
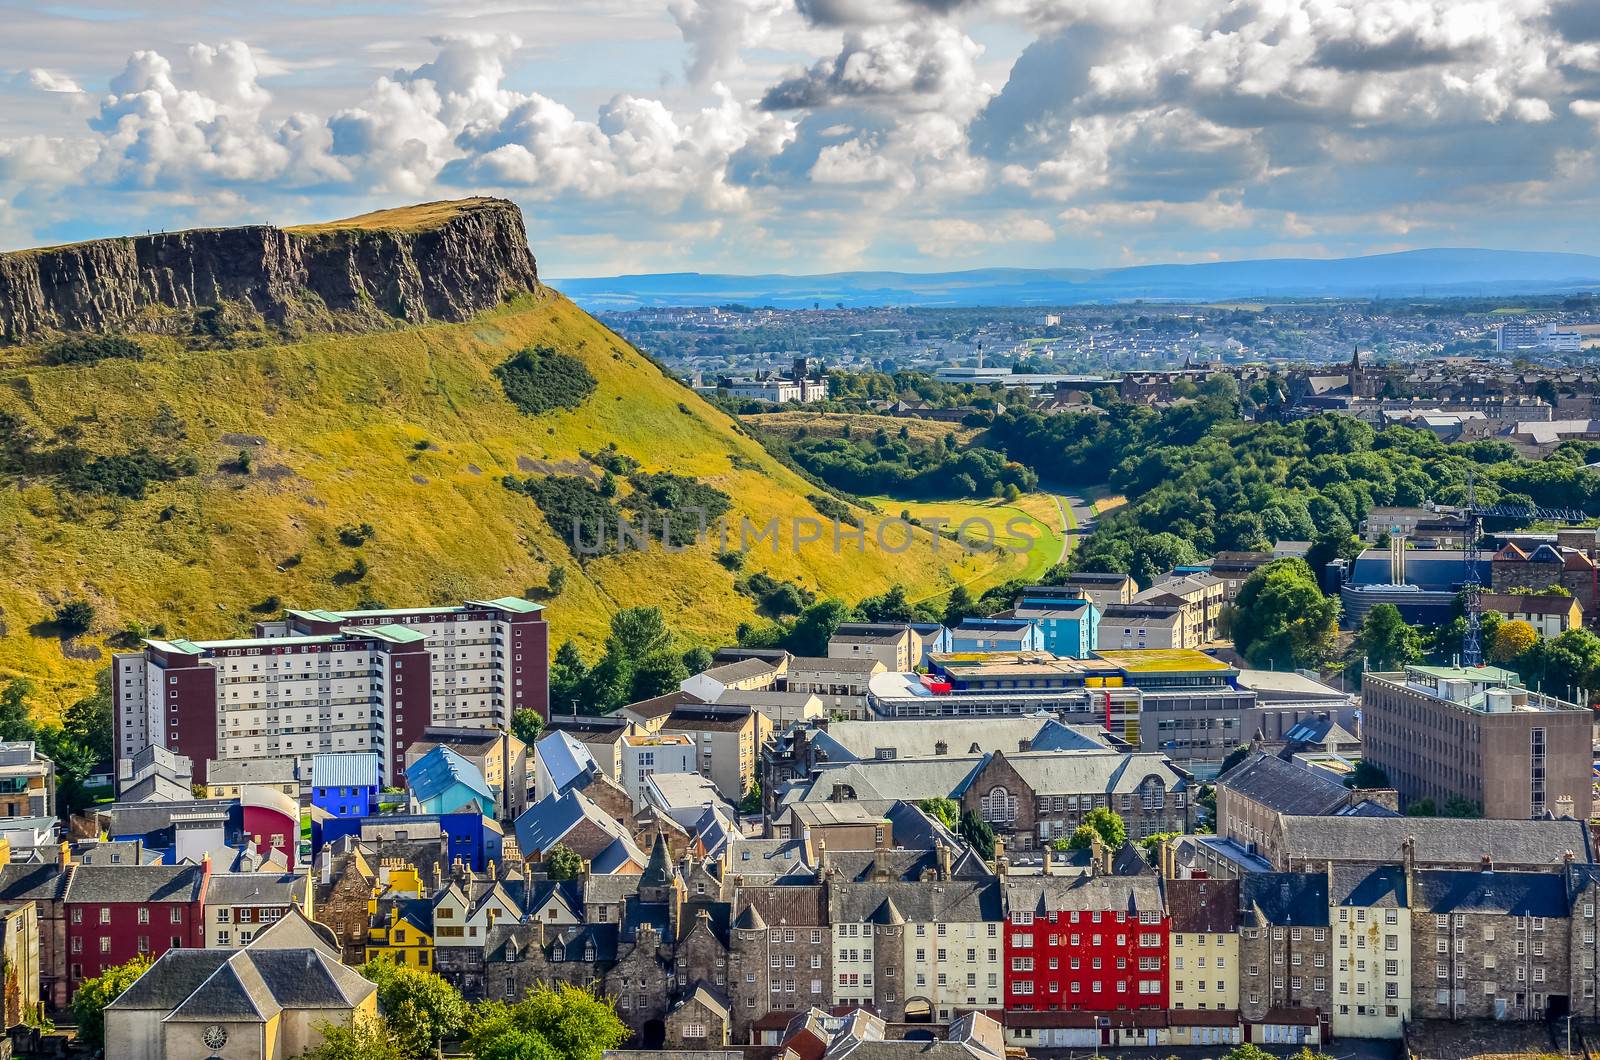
(74, 617)
(89, 349)
(575, 510)
(541, 379)
(833, 508)
(124, 474)
(685, 504)
(355, 535)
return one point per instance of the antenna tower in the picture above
(1471, 585)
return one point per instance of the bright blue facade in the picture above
(443, 782)
(1070, 628)
(345, 784)
(475, 839)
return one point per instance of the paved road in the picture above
(1343, 1049)
(1078, 522)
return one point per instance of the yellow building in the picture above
(400, 925)
(1371, 951)
(1204, 943)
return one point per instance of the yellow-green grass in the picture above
(981, 569)
(1163, 660)
(400, 219)
(342, 416)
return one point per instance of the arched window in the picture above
(999, 806)
(1153, 794)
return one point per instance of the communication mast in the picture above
(1472, 585)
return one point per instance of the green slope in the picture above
(342, 417)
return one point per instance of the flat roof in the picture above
(1163, 660)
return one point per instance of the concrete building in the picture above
(1151, 624)
(320, 681)
(839, 683)
(1370, 920)
(646, 754)
(727, 741)
(898, 647)
(1445, 733)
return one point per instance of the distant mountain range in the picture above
(1413, 273)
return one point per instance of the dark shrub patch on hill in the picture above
(578, 513)
(541, 378)
(687, 505)
(87, 349)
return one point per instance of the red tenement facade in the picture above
(115, 913)
(1090, 945)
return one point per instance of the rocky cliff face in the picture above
(443, 262)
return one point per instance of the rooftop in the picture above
(1163, 661)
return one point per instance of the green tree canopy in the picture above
(527, 726)
(88, 1004)
(421, 1009)
(561, 862)
(365, 1039)
(945, 811)
(564, 1023)
(1281, 619)
(978, 834)
(1386, 641)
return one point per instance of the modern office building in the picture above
(321, 681)
(1476, 734)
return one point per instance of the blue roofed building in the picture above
(996, 634)
(444, 782)
(561, 762)
(345, 784)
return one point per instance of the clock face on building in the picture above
(215, 1037)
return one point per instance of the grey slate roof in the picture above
(1501, 893)
(1284, 899)
(247, 984)
(251, 771)
(1284, 787)
(951, 902)
(181, 971)
(39, 883)
(256, 888)
(1439, 840)
(108, 884)
(1058, 773)
(1043, 894)
(910, 779)
(1360, 885)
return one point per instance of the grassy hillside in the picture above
(407, 431)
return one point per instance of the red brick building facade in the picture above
(1082, 943)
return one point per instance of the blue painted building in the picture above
(1069, 625)
(442, 781)
(345, 784)
(996, 634)
(475, 839)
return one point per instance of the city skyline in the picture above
(763, 135)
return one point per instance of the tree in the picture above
(75, 617)
(365, 1039)
(557, 580)
(1457, 806)
(891, 606)
(961, 606)
(527, 726)
(816, 625)
(945, 811)
(750, 804)
(1281, 619)
(561, 1023)
(1385, 641)
(1511, 639)
(1082, 838)
(16, 722)
(1422, 808)
(1108, 824)
(1247, 1051)
(89, 1003)
(561, 862)
(420, 1007)
(1367, 775)
(658, 673)
(1235, 756)
(567, 675)
(976, 831)
(698, 659)
(636, 632)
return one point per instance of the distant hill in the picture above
(1444, 272)
(232, 405)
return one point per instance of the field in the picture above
(405, 430)
(979, 570)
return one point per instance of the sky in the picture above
(819, 135)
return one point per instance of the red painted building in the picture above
(1085, 944)
(115, 913)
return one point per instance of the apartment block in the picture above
(27, 781)
(319, 682)
(1476, 734)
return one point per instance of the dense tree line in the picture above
(899, 467)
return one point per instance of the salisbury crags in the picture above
(435, 262)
